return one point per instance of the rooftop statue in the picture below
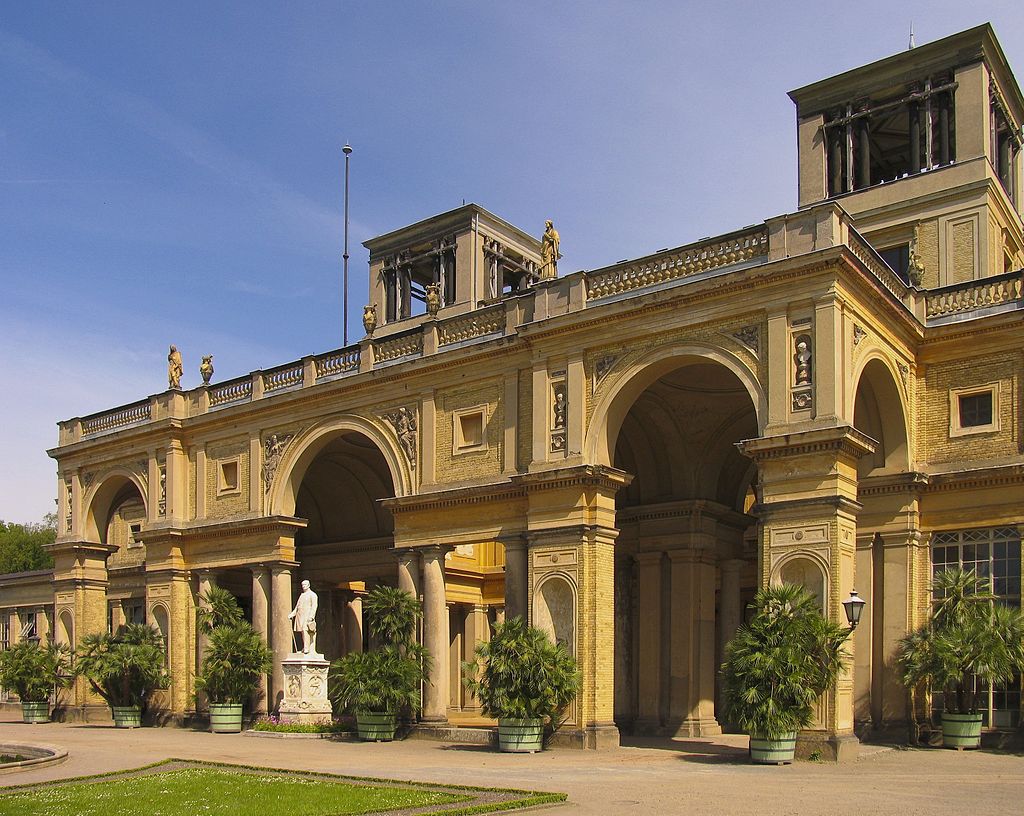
(174, 369)
(549, 253)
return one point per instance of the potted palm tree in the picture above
(968, 638)
(123, 668)
(236, 657)
(525, 681)
(33, 672)
(380, 684)
(776, 668)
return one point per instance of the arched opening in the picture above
(878, 412)
(555, 611)
(345, 548)
(686, 552)
(116, 517)
(65, 633)
(804, 572)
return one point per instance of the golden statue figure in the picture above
(174, 369)
(549, 253)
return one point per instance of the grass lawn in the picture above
(215, 792)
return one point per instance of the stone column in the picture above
(280, 627)
(649, 641)
(409, 572)
(516, 577)
(261, 623)
(477, 630)
(354, 624)
(730, 607)
(692, 691)
(435, 635)
(205, 583)
(456, 627)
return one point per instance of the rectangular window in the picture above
(134, 531)
(29, 629)
(5, 631)
(995, 554)
(898, 259)
(227, 476)
(468, 429)
(974, 410)
(134, 611)
(886, 138)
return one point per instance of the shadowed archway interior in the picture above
(682, 517)
(346, 546)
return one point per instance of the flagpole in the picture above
(347, 150)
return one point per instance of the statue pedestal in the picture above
(305, 689)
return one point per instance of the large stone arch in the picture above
(303, 450)
(103, 498)
(627, 383)
(879, 409)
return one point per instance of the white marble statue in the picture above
(304, 618)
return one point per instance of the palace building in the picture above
(623, 455)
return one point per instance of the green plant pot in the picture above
(773, 752)
(35, 712)
(225, 718)
(520, 736)
(127, 716)
(961, 731)
(375, 727)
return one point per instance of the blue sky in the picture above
(173, 172)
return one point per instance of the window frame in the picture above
(956, 428)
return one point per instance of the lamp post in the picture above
(854, 606)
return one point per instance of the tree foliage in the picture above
(21, 545)
(123, 668)
(33, 671)
(521, 674)
(779, 663)
(387, 679)
(236, 655)
(969, 637)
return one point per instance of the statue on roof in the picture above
(174, 368)
(549, 253)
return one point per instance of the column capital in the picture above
(647, 558)
(732, 564)
(407, 555)
(435, 551)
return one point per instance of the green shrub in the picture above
(32, 671)
(779, 664)
(969, 637)
(521, 674)
(236, 654)
(123, 668)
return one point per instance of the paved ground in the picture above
(692, 777)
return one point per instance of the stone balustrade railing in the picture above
(118, 418)
(879, 268)
(231, 391)
(397, 346)
(677, 263)
(284, 376)
(480, 323)
(971, 295)
(337, 362)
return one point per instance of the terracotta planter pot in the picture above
(520, 736)
(773, 752)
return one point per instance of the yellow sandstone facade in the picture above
(623, 455)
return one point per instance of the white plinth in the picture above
(305, 689)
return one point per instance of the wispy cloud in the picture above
(302, 214)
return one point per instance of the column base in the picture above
(593, 737)
(698, 727)
(827, 747)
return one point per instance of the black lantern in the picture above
(853, 606)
